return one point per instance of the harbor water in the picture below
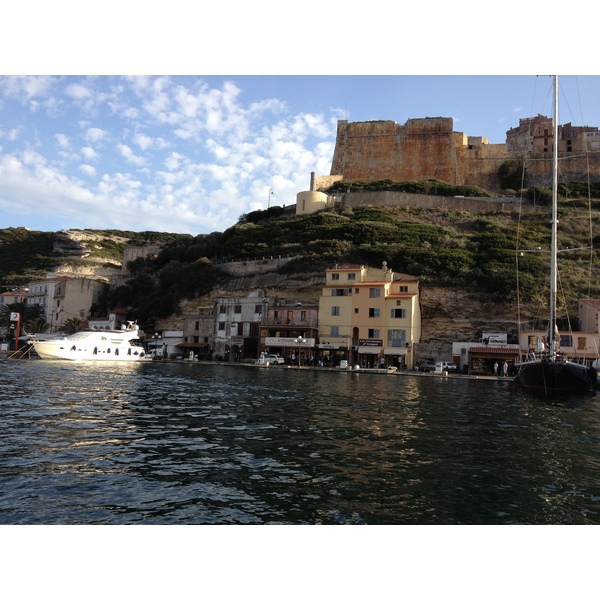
(198, 444)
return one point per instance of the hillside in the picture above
(27, 255)
(465, 262)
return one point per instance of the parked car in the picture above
(274, 359)
(449, 367)
(426, 365)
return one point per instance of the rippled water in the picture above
(161, 443)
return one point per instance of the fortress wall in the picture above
(428, 148)
(571, 167)
(476, 205)
(385, 150)
(478, 165)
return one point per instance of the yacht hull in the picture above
(553, 378)
(106, 346)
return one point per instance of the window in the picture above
(258, 309)
(374, 312)
(335, 276)
(373, 334)
(335, 311)
(403, 289)
(335, 331)
(222, 326)
(581, 343)
(341, 292)
(566, 341)
(396, 338)
(356, 290)
(303, 315)
(356, 311)
(398, 313)
(197, 325)
(374, 292)
(351, 276)
(223, 309)
(238, 309)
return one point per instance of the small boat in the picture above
(550, 373)
(118, 345)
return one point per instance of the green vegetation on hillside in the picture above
(448, 249)
(428, 186)
(25, 255)
(441, 248)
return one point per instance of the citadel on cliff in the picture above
(429, 148)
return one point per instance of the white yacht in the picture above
(120, 345)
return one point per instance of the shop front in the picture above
(482, 359)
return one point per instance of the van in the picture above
(449, 367)
(426, 365)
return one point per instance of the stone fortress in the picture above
(429, 148)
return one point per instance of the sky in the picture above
(93, 136)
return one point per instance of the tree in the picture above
(37, 326)
(73, 325)
(511, 174)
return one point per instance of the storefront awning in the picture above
(396, 351)
(487, 351)
(369, 349)
(191, 345)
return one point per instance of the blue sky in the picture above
(191, 153)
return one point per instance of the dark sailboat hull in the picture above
(552, 378)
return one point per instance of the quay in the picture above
(348, 370)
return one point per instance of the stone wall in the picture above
(251, 267)
(429, 148)
(476, 205)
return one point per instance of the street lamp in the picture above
(299, 340)
(156, 337)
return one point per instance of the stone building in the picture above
(41, 293)
(16, 296)
(290, 330)
(74, 298)
(236, 325)
(198, 333)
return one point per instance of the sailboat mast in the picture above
(554, 248)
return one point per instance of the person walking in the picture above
(496, 369)
(505, 369)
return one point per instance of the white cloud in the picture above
(128, 154)
(89, 153)
(184, 156)
(88, 170)
(95, 134)
(26, 87)
(62, 140)
(143, 141)
(11, 135)
(78, 91)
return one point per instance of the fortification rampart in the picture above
(476, 205)
(429, 148)
(253, 266)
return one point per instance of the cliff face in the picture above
(84, 255)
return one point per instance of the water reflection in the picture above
(179, 443)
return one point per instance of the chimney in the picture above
(312, 182)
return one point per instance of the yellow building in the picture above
(369, 317)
